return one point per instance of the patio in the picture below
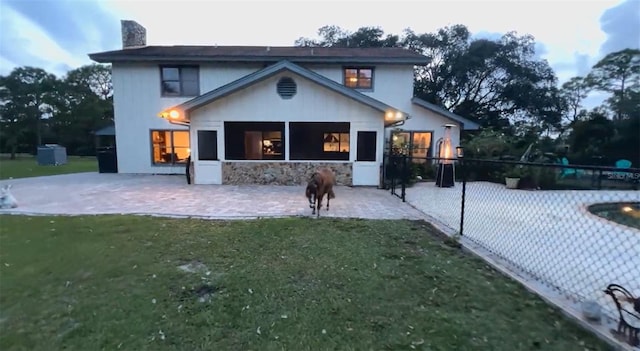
(169, 195)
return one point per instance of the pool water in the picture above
(625, 213)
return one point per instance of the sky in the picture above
(57, 35)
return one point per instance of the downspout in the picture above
(398, 123)
(186, 124)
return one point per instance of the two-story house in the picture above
(266, 114)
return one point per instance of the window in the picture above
(319, 141)
(414, 143)
(358, 77)
(169, 146)
(254, 140)
(366, 146)
(207, 145)
(336, 142)
(180, 81)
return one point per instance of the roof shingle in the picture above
(262, 54)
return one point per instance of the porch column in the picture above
(287, 141)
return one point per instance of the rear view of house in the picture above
(266, 115)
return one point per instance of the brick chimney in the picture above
(133, 34)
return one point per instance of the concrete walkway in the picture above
(95, 193)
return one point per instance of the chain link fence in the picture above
(575, 229)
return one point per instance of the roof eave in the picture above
(309, 59)
(465, 123)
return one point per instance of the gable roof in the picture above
(466, 123)
(273, 54)
(281, 66)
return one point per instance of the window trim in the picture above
(179, 67)
(358, 68)
(173, 162)
(411, 133)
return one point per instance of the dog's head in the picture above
(4, 191)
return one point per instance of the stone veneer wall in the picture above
(281, 173)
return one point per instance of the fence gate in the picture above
(396, 174)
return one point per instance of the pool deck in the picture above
(549, 235)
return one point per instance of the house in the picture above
(266, 115)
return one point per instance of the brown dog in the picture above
(320, 184)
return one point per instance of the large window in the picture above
(414, 143)
(169, 146)
(366, 146)
(207, 145)
(319, 141)
(180, 80)
(254, 140)
(358, 77)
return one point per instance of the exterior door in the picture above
(207, 166)
(366, 168)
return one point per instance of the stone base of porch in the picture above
(281, 173)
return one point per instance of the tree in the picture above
(87, 106)
(95, 77)
(591, 137)
(493, 81)
(574, 91)
(27, 96)
(618, 73)
(364, 37)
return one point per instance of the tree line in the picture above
(37, 108)
(504, 86)
(500, 83)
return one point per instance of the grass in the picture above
(27, 166)
(111, 282)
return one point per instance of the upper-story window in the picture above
(358, 77)
(180, 80)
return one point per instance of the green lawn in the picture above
(27, 166)
(112, 282)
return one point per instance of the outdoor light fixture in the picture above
(173, 114)
(459, 151)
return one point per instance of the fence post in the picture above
(405, 177)
(464, 193)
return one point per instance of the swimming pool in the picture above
(625, 213)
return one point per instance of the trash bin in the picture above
(51, 154)
(107, 160)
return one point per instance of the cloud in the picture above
(579, 66)
(73, 25)
(23, 44)
(54, 35)
(621, 24)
